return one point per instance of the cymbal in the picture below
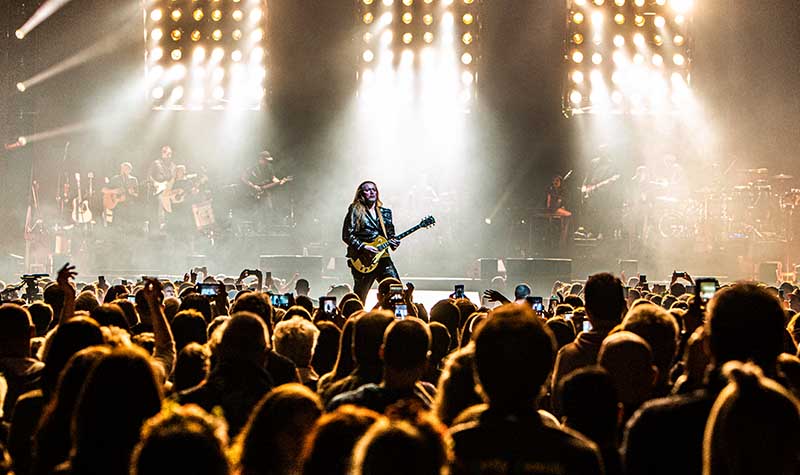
(782, 176)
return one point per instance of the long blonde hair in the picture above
(358, 206)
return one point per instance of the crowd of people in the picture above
(155, 377)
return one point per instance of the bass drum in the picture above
(674, 224)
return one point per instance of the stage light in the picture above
(577, 77)
(678, 40)
(427, 19)
(619, 19)
(176, 14)
(156, 14)
(597, 39)
(21, 87)
(658, 60)
(577, 38)
(156, 34)
(575, 97)
(236, 35)
(618, 57)
(408, 3)
(156, 54)
(597, 18)
(368, 56)
(577, 57)
(580, 3)
(658, 40)
(255, 15)
(577, 18)
(659, 21)
(467, 19)
(638, 58)
(197, 14)
(23, 141)
(388, 3)
(199, 54)
(407, 38)
(236, 55)
(428, 37)
(619, 41)
(217, 54)
(639, 3)
(639, 20)
(597, 58)
(257, 35)
(619, 3)
(216, 35)
(466, 58)
(176, 55)
(237, 15)
(407, 17)
(661, 3)
(467, 38)
(176, 35)
(367, 2)
(387, 18)
(158, 92)
(679, 59)
(680, 20)
(638, 40)
(216, 15)
(467, 78)
(19, 34)
(196, 35)
(599, 2)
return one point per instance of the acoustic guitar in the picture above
(366, 262)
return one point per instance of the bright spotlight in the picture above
(19, 34)
(21, 87)
(206, 42)
(23, 141)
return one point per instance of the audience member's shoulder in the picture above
(667, 408)
(360, 396)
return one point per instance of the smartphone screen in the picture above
(327, 305)
(400, 311)
(538, 305)
(707, 290)
(587, 326)
(568, 316)
(208, 291)
(132, 298)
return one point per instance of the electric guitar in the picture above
(81, 214)
(587, 190)
(260, 190)
(366, 262)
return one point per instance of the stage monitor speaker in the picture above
(489, 268)
(768, 272)
(539, 273)
(284, 267)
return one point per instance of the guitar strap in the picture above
(383, 226)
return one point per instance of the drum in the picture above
(673, 224)
(203, 213)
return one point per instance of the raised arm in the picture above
(164, 354)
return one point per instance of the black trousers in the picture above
(363, 282)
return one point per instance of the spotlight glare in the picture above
(255, 15)
(678, 40)
(176, 34)
(681, 6)
(368, 56)
(156, 54)
(639, 3)
(580, 3)
(176, 54)
(236, 56)
(258, 35)
(176, 14)
(216, 15)
(427, 19)
(407, 18)
(680, 20)
(237, 15)
(658, 60)
(236, 35)
(599, 2)
(619, 41)
(23, 141)
(678, 59)
(638, 58)
(467, 78)
(639, 20)
(577, 57)
(577, 77)
(156, 34)
(597, 19)
(638, 40)
(577, 38)
(257, 54)
(155, 15)
(195, 36)
(21, 87)
(658, 40)
(619, 3)
(467, 38)
(197, 14)
(219, 74)
(199, 54)
(219, 93)
(217, 54)
(388, 2)
(467, 19)
(407, 38)
(466, 58)
(216, 35)
(597, 58)
(177, 93)
(659, 21)
(577, 18)
(575, 97)
(19, 34)
(158, 92)
(428, 37)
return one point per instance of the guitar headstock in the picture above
(427, 221)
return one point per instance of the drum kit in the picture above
(755, 205)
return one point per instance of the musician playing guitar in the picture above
(261, 181)
(366, 220)
(118, 193)
(161, 177)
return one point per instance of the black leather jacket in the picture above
(355, 236)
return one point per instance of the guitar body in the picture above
(366, 261)
(111, 198)
(81, 213)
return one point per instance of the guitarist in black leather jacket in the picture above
(367, 219)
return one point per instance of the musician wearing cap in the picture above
(366, 220)
(261, 180)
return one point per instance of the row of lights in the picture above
(198, 14)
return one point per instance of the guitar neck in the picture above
(400, 236)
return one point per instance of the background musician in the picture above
(118, 195)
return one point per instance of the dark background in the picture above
(746, 71)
